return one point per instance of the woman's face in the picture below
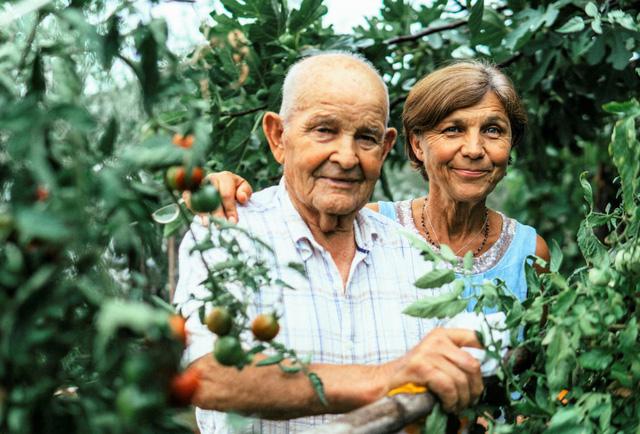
(466, 154)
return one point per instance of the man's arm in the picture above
(437, 362)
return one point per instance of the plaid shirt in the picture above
(363, 324)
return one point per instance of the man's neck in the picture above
(336, 234)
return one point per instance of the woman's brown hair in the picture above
(453, 87)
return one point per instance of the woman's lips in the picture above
(471, 173)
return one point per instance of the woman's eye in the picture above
(493, 130)
(451, 130)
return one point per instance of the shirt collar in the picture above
(365, 233)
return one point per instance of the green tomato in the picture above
(228, 351)
(206, 199)
(599, 277)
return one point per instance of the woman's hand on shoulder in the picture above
(232, 188)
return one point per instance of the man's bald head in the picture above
(309, 72)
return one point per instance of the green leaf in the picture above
(591, 9)
(597, 359)
(475, 17)
(108, 139)
(298, 267)
(420, 244)
(468, 260)
(563, 303)
(566, 421)
(436, 421)
(448, 254)
(435, 278)
(594, 252)
(619, 56)
(290, 369)
(441, 306)
(154, 153)
(271, 360)
(310, 11)
(586, 189)
(623, 19)
(575, 24)
(531, 277)
(556, 257)
(316, 382)
(41, 224)
(560, 358)
(624, 148)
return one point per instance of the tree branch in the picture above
(391, 414)
(244, 112)
(431, 30)
(425, 32)
(509, 61)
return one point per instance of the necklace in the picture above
(424, 228)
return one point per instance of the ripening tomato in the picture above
(265, 327)
(177, 324)
(206, 199)
(183, 141)
(179, 178)
(183, 387)
(228, 351)
(219, 321)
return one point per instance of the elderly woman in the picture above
(460, 124)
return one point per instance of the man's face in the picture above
(335, 141)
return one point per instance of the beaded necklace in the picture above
(486, 232)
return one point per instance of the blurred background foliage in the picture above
(91, 96)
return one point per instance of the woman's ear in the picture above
(416, 145)
(273, 130)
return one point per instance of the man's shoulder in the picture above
(261, 201)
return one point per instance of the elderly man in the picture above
(331, 136)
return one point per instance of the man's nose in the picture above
(345, 153)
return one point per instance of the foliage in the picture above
(76, 233)
(82, 168)
(585, 367)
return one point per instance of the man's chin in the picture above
(340, 207)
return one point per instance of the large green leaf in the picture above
(435, 278)
(475, 17)
(625, 150)
(440, 306)
(310, 11)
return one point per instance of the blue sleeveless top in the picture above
(504, 260)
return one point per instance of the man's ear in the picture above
(273, 130)
(416, 146)
(389, 139)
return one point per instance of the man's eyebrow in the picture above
(329, 119)
(374, 131)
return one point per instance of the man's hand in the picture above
(439, 364)
(232, 188)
